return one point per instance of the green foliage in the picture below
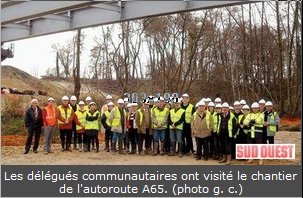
(13, 126)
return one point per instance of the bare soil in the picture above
(13, 155)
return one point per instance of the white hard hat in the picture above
(262, 101)
(74, 98)
(211, 104)
(218, 106)
(92, 103)
(88, 98)
(134, 104)
(197, 104)
(65, 98)
(81, 103)
(225, 105)
(242, 102)
(268, 103)
(161, 98)
(203, 99)
(110, 104)
(125, 99)
(156, 100)
(185, 95)
(129, 105)
(208, 99)
(50, 99)
(231, 108)
(120, 101)
(237, 103)
(245, 107)
(109, 97)
(218, 100)
(255, 105)
(201, 103)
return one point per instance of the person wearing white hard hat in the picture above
(211, 110)
(238, 109)
(231, 109)
(66, 117)
(75, 107)
(126, 103)
(143, 121)
(108, 99)
(81, 116)
(92, 126)
(254, 121)
(49, 116)
(262, 105)
(33, 123)
(271, 122)
(241, 135)
(88, 99)
(132, 129)
(159, 122)
(218, 101)
(176, 119)
(187, 138)
(227, 129)
(107, 126)
(216, 117)
(117, 118)
(202, 126)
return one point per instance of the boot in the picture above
(80, 147)
(114, 148)
(224, 159)
(228, 161)
(173, 149)
(62, 147)
(75, 146)
(133, 149)
(162, 149)
(106, 146)
(156, 145)
(250, 161)
(120, 148)
(180, 149)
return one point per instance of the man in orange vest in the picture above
(49, 120)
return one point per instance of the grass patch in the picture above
(13, 126)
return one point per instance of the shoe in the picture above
(224, 159)
(198, 158)
(261, 162)
(50, 151)
(206, 158)
(45, 152)
(62, 149)
(26, 152)
(97, 150)
(69, 150)
(228, 160)
(35, 151)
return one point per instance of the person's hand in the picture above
(173, 125)
(66, 122)
(241, 126)
(265, 124)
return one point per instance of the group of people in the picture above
(156, 127)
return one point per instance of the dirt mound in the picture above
(12, 77)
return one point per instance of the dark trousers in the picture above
(258, 139)
(202, 143)
(36, 132)
(127, 140)
(91, 138)
(75, 135)
(133, 137)
(214, 144)
(167, 141)
(80, 138)
(66, 137)
(187, 139)
(148, 140)
(108, 134)
(271, 139)
(225, 144)
(142, 137)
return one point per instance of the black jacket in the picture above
(30, 120)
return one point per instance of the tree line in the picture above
(249, 51)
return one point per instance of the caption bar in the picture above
(141, 181)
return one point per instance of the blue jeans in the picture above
(176, 135)
(117, 136)
(159, 134)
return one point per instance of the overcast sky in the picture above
(35, 55)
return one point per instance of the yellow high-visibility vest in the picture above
(81, 115)
(175, 116)
(117, 117)
(66, 115)
(188, 113)
(92, 124)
